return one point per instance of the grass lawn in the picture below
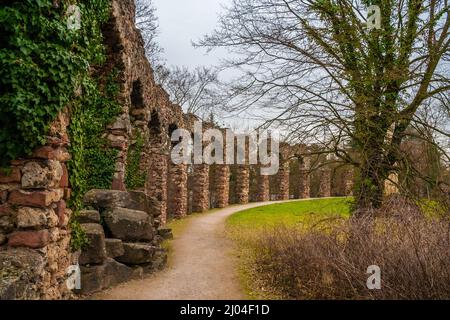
(295, 213)
(245, 227)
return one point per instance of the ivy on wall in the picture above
(93, 163)
(42, 64)
(134, 177)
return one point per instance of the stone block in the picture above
(28, 217)
(137, 253)
(88, 216)
(108, 199)
(165, 233)
(104, 276)
(20, 274)
(114, 248)
(95, 253)
(45, 174)
(12, 176)
(159, 261)
(129, 225)
(50, 153)
(40, 199)
(29, 239)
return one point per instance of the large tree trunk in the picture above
(370, 181)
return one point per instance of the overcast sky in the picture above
(184, 21)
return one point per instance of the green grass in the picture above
(245, 227)
(290, 214)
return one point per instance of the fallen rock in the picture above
(104, 276)
(129, 225)
(95, 253)
(159, 261)
(106, 199)
(114, 248)
(88, 216)
(137, 253)
(20, 274)
(109, 199)
(165, 233)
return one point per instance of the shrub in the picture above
(412, 251)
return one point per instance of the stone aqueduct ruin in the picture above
(34, 234)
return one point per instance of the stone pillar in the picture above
(34, 232)
(283, 178)
(347, 178)
(200, 188)
(304, 187)
(118, 137)
(304, 179)
(156, 184)
(177, 190)
(325, 183)
(263, 187)
(242, 184)
(222, 185)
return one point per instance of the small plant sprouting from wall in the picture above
(134, 176)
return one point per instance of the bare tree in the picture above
(195, 91)
(314, 68)
(148, 25)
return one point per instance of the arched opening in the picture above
(154, 125)
(137, 97)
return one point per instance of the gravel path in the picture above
(201, 267)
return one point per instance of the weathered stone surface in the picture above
(177, 190)
(114, 248)
(140, 201)
(129, 225)
(200, 188)
(104, 276)
(3, 196)
(29, 239)
(48, 152)
(88, 216)
(325, 183)
(28, 217)
(6, 210)
(12, 176)
(108, 199)
(137, 253)
(159, 261)
(45, 174)
(242, 184)
(6, 223)
(20, 274)
(95, 253)
(165, 233)
(3, 239)
(64, 182)
(40, 199)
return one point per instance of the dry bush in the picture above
(413, 253)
